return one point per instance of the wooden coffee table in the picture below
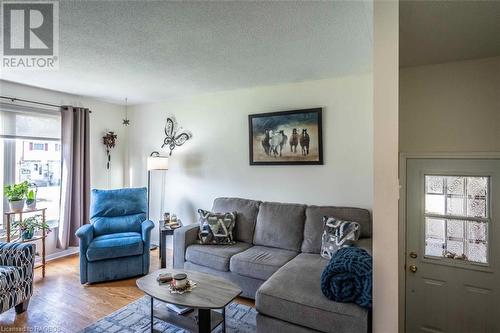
(211, 293)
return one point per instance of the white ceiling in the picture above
(152, 51)
(432, 32)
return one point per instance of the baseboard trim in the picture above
(63, 253)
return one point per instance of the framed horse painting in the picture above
(286, 138)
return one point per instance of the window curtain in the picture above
(75, 187)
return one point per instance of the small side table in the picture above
(164, 232)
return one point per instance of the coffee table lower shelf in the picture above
(198, 320)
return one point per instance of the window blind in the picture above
(28, 122)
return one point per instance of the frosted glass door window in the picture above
(457, 218)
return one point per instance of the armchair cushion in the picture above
(116, 211)
(120, 202)
(116, 245)
(10, 278)
(16, 274)
(104, 225)
(17, 254)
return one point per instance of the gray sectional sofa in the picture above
(276, 261)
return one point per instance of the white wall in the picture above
(105, 116)
(385, 141)
(451, 107)
(216, 163)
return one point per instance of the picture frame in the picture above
(291, 137)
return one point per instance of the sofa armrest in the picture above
(365, 244)
(17, 254)
(183, 237)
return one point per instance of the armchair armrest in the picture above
(146, 227)
(17, 254)
(183, 237)
(86, 234)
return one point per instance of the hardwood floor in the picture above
(61, 304)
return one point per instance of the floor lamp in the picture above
(155, 162)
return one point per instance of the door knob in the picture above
(413, 268)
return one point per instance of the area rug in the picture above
(135, 318)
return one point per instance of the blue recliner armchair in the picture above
(115, 245)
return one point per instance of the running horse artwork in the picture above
(274, 137)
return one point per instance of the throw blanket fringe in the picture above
(348, 277)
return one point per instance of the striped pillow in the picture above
(337, 234)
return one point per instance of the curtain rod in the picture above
(14, 99)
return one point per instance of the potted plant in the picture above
(31, 196)
(30, 225)
(16, 194)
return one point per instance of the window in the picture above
(28, 151)
(39, 146)
(457, 217)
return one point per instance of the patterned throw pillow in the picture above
(337, 234)
(216, 228)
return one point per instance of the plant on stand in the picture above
(30, 225)
(16, 194)
(31, 196)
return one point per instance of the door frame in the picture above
(403, 159)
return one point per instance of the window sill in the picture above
(53, 224)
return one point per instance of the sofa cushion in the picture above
(293, 294)
(116, 245)
(313, 228)
(280, 225)
(246, 215)
(260, 262)
(214, 256)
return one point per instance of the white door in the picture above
(452, 245)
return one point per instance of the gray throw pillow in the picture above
(216, 228)
(337, 234)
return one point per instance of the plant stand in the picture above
(11, 216)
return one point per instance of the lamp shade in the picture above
(157, 163)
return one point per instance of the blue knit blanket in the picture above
(348, 277)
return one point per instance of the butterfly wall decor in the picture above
(175, 136)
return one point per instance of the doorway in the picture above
(452, 245)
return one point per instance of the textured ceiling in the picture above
(151, 51)
(432, 32)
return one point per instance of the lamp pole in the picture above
(155, 162)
